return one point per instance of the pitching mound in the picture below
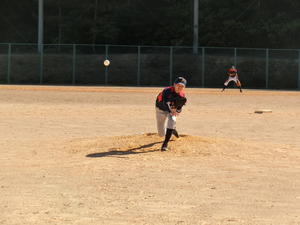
(149, 144)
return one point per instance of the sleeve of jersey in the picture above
(165, 99)
(179, 108)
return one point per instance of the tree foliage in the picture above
(232, 23)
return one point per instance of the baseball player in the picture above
(232, 76)
(169, 104)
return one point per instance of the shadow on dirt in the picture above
(113, 152)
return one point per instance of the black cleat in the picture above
(164, 148)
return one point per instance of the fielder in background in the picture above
(232, 76)
(169, 104)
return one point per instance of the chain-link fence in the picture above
(147, 65)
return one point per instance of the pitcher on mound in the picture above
(169, 104)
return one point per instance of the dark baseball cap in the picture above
(180, 80)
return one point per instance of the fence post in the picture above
(171, 65)
(138, 66)
(235, 58)
(74, 65)
(8, 63)
(41, 51)
(106, 68)
(267, 68)
(298, 69)
(203, 67)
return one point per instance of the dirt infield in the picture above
(90, 155)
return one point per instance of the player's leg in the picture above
(226, 84)
(171, 125)
(161, 118)
(168, 135)
(175, 133)
(239, 85)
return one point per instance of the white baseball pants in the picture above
(164, 121)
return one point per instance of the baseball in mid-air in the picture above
(106, 62)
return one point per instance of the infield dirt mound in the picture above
(186, 145)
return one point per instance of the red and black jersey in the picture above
(232, 72)
(167, 96)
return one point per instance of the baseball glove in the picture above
(178, 102)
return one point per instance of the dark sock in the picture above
(167, 137)
(175, 133)
(223, 88)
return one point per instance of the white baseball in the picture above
(106, 62)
